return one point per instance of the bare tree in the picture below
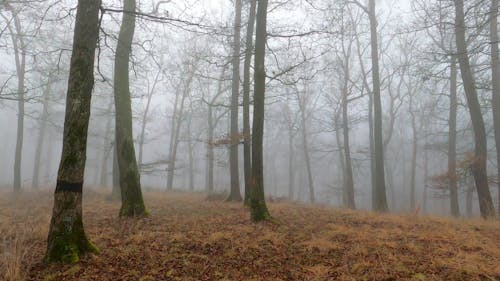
(234, 192)
(247, 146)
(479, 166)
(495, 78)
(145, 114)
(379, 200)
(182, 92)
(19, 45)
(452, 140)
(303, 101)
(41, 132)
(130, 183)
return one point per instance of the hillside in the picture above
(189, 238)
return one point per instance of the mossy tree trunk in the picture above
(67, 240)
(130, 183)
(247, 145)
(258, 206)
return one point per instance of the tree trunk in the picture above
(258, 206)
(341, 157)
(452, 140)
(468, 201)
(247, 146)
(20, 60)
(348, 177)
(426, 175)
(115, 192)
(170, 169)
(142, 136)
(379, 199)
(210, 135)
(190, 153)
(291, 174)
(413, 154)
(106, 146)
(41, 135)
(479, 165)
(234, 193)
(130, 183)
(210, 152)
(174, 140)
(495, 77)
(305, 148)
(67, 240)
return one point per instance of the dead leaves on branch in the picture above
(230, 140)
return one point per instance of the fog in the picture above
(316, 52)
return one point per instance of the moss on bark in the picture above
(69, 247)
(67, 241)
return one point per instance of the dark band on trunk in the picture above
(63, 186)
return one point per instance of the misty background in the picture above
(309, 45)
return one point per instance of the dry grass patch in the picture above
(187, 237)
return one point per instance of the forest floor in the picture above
(189, 238)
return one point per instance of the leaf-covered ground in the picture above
(189, 238)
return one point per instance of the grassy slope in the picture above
(188, 238)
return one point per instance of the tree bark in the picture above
(495, 78)
(234, 193)
(258, 206)
(452, 140)
(479, 165)
(247, 145)
(130, 183)
(67, 240)
(379, 200)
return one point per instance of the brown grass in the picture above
(189, 238)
